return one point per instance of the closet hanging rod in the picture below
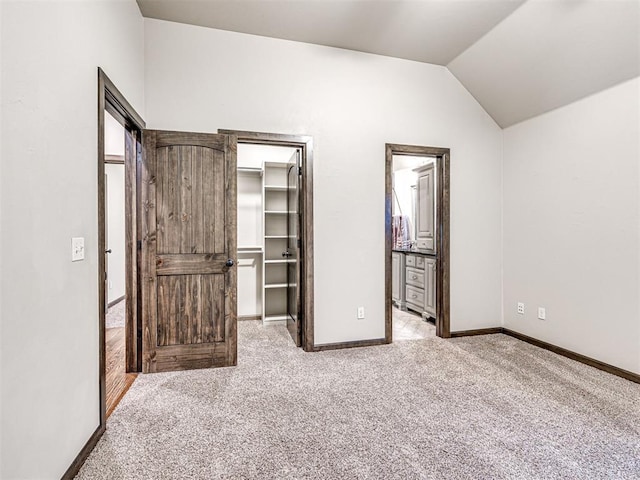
(250, 169)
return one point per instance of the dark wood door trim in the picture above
(111, 100)
(443, 328)
(77, 463)
(305, 144)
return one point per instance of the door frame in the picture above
(111, 99)
(305, 144)
(443, 326)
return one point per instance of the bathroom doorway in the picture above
(416, 242)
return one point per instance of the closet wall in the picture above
(249, 242)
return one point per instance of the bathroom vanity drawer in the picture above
(416, 261)
(415, 277)
(424, 245)
(415, 298)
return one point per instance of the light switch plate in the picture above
(360, 313)
(542, 313)
(77, 249)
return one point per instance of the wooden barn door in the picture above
(188, 251)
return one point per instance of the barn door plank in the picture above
(189, 251)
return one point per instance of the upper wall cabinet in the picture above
(426, 208)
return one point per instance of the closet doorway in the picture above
(416, 242)
(275, 232)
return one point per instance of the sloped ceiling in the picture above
(519, 59)
(430, 31)
(550, 53)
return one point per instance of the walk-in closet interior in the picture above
(265, 260)
(413, 257)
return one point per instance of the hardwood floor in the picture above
(118, 380)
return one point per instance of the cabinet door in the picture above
(430, 287)
(425, 222)
(395, 276)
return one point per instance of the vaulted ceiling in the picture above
(518, 58)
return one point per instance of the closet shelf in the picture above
(274, 318)
(276, 212)
(270, 237)
(275, 188)
(275, 285)
(279, 261)
(276, 164)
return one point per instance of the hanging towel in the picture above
(401, 232)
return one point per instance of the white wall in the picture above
(116, 276)
(199, 79)
(113, 136)
(572, 226)
(49, 349)
(1, 225)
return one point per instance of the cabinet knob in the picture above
(229, 263)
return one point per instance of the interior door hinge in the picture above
(139, 244)
(299, 243)
(299, 170)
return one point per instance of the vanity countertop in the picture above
(415, 252)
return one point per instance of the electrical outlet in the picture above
(542, 313)
(521, 308)
(360, 313)
(77, 249)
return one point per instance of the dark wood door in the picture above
(189, 251)
(294, 320)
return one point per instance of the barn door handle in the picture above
(229, 263)
(107, 251)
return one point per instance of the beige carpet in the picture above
(486, 407)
